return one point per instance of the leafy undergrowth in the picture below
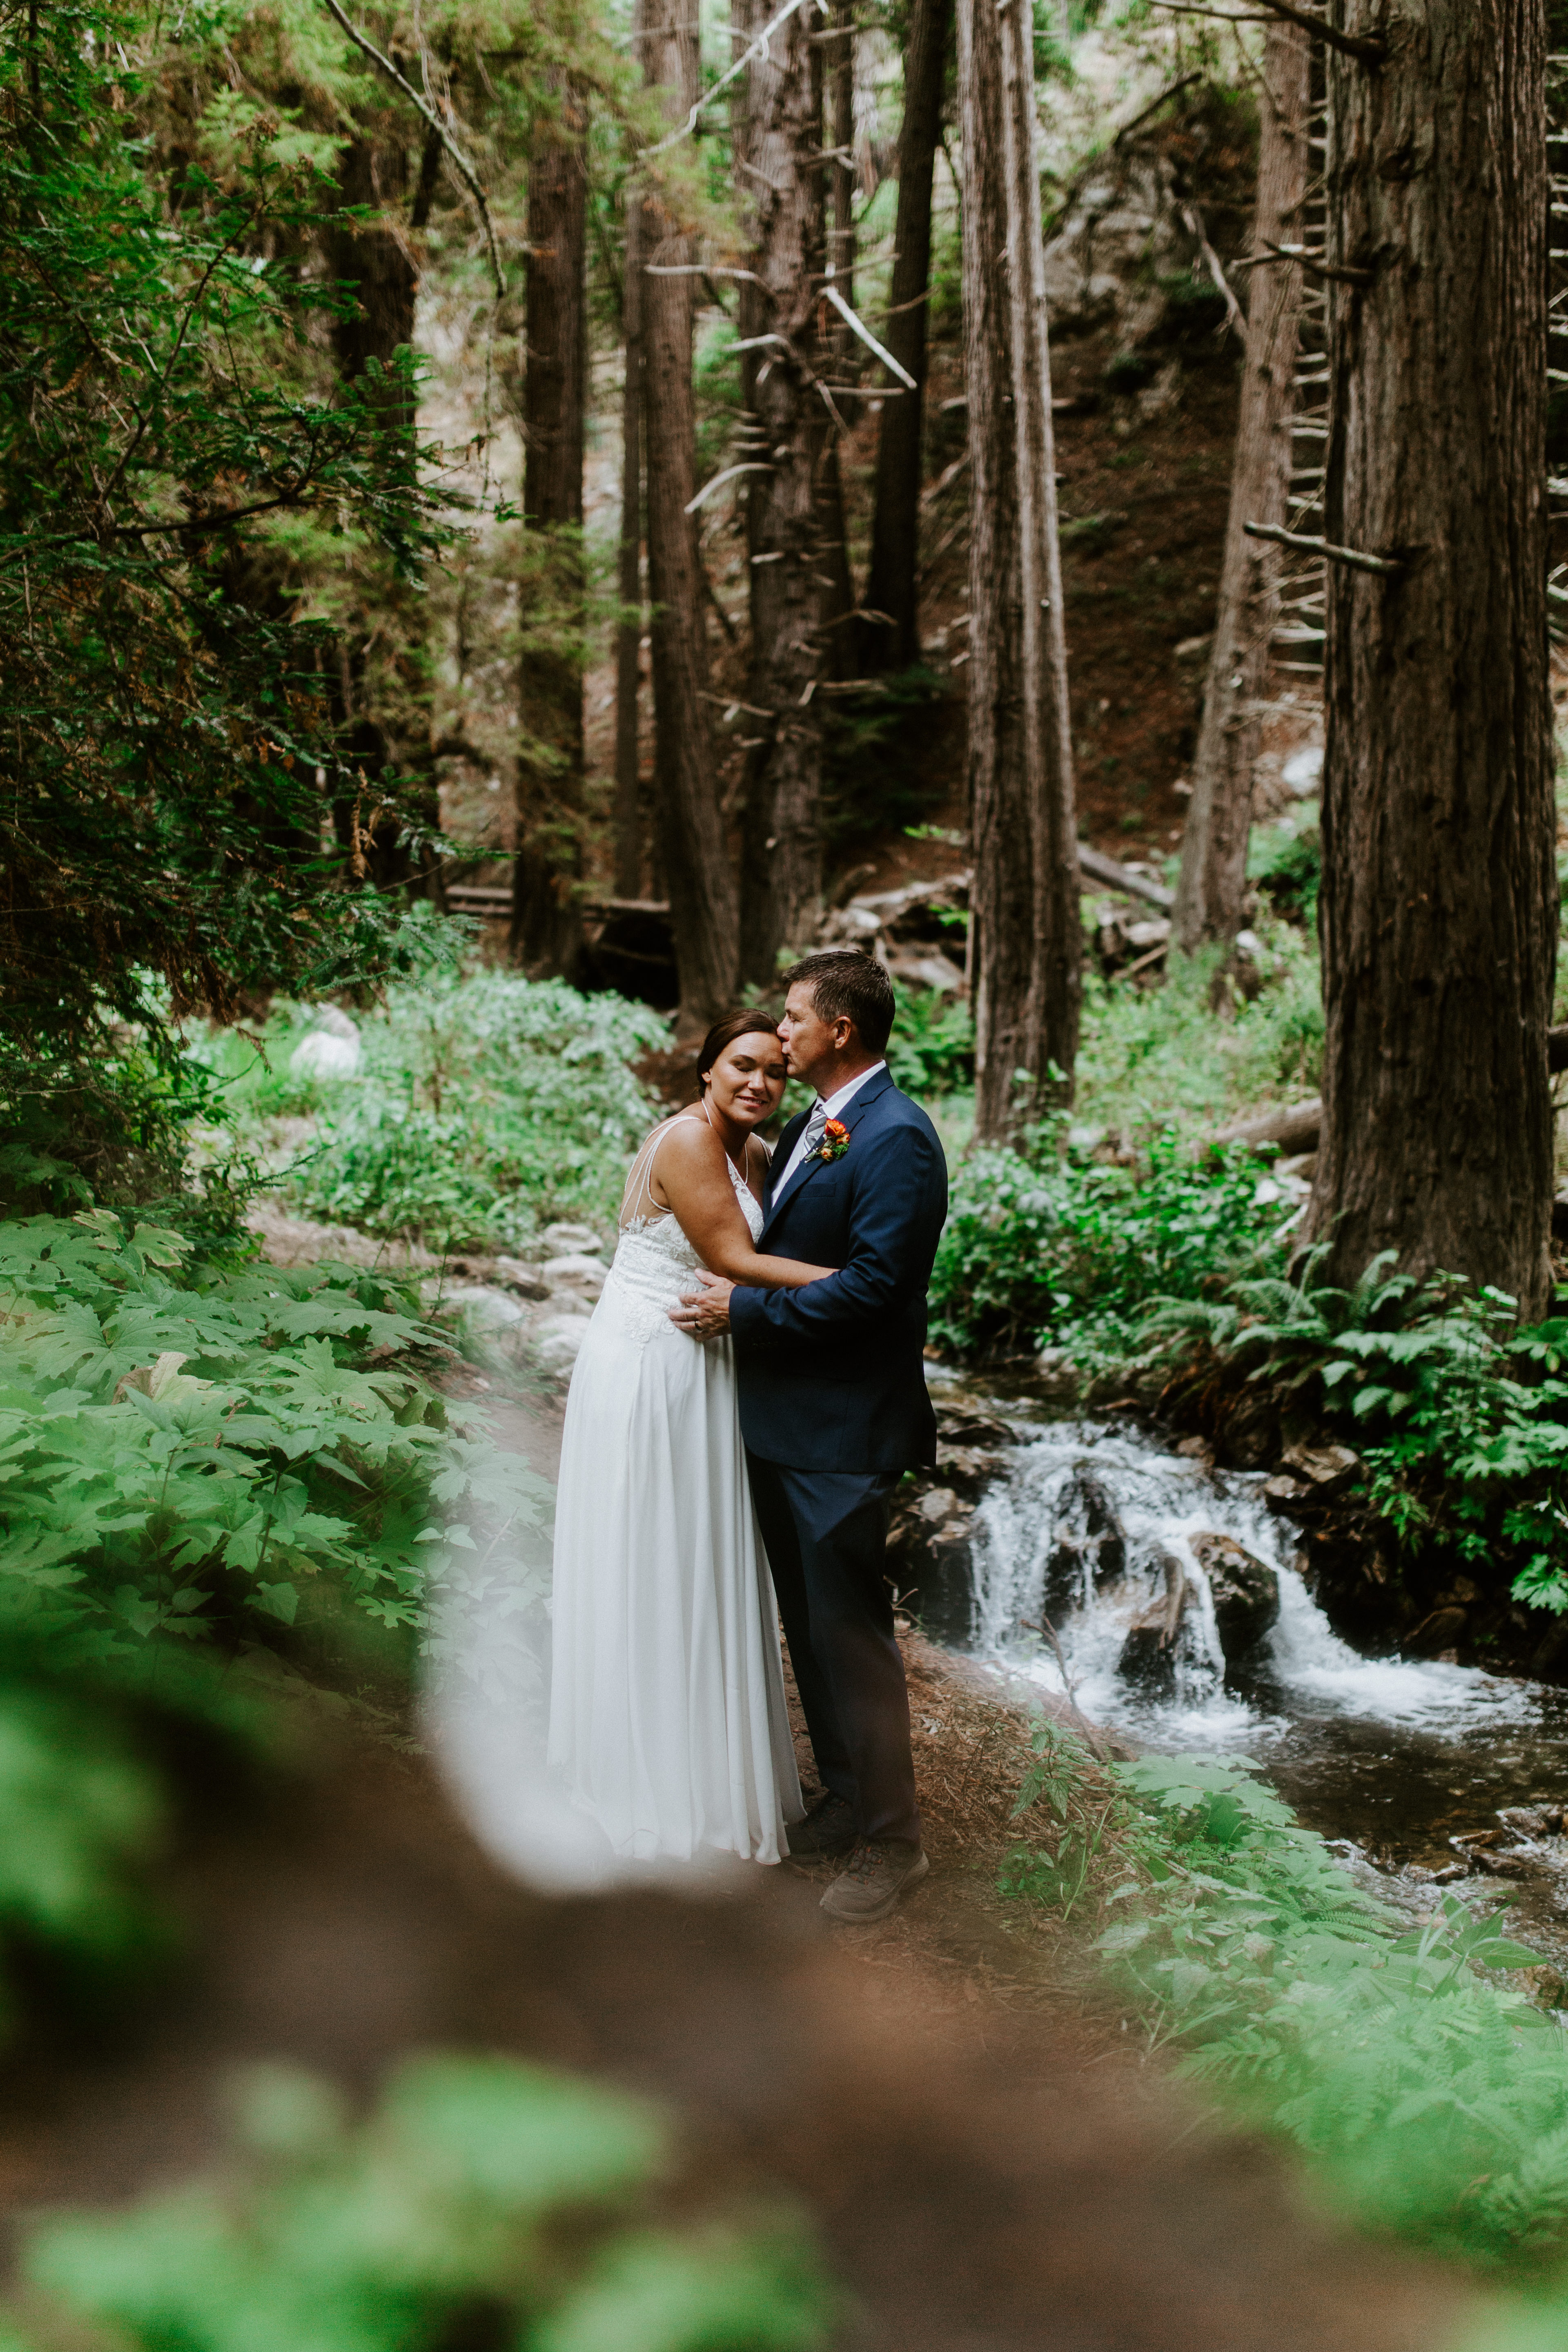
(1050, 1246)
(1066, 1239)
(481, 2201)
(1425, 2093)
(236, 1457)
(1459, 1416)
(485, 1106)
(1155, 1059)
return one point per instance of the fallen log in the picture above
(1106, 871)
(1295, 1130)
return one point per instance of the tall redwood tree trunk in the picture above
(893, 587)
(383, 686)
(1213, 886)
(1439, 908)
(628, 581)
(781, 179)
(693, 852)
(836, 103)
(546, 926)
(1028, 950)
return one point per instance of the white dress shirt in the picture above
(833, 1108)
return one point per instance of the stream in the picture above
(1423, 1775)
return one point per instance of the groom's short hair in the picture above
(845, 985)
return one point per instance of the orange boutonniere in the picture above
(835, 1140)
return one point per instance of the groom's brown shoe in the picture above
(879, 1872)
(829, 1827)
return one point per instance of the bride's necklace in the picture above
(738, 1165)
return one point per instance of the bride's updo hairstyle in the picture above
(752, 1023)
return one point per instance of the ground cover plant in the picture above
(1064, 1238)
(1459, 1416)
(192, 1454)
(1049, 1245)
(1425, 2092)
(486, 1105)
(480, 2200)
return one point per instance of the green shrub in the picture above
(1425, 2092)
(1460, 1417)
(931, 1049)
(1159, 1057)
(1287, 865)
(485, 1107)
(483, 2200)
(1046, 1243)
(1432, 2099)
(217, 1456)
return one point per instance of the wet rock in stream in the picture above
(1147, 1657)
(1245, 1591)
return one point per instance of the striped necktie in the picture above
(816, 1127)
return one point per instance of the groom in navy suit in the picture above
(834, 1407)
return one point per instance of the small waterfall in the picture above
(1097, 1528)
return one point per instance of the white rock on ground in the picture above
(556, 1339)
(587, 1276)
(331, 1049)
(491, 1309)
(520, 1276)
(561, 1237)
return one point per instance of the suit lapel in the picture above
(851, 1116)
(780, 1160)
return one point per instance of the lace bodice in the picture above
(653, 1261)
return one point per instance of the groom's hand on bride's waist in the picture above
(704, 1314)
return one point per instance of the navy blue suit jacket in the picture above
(833, 1377)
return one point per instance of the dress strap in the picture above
(638, 1205)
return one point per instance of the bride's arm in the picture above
(696, 1183)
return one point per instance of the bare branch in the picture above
(1315, 269)
(867, 338)
(728, 474)
(1386, 566)
(757, 49)
(428, 115)
(1193, 221)
(1367, 48)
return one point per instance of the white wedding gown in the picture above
(668, 1722)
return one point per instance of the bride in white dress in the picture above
(667, 1706)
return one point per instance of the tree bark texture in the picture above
(790, 516)
(841, 116)
(1212, 891)
(546, 927)
(693, 853)
(628, 631)
(835, 79)
(1439, 908)
(893, 586)
(382, 695)
(1028, 940)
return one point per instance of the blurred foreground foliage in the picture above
(480, 2200)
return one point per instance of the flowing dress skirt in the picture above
(667, 1721)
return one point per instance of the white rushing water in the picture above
(1303, 1671)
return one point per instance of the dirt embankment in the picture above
(984, 2161)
